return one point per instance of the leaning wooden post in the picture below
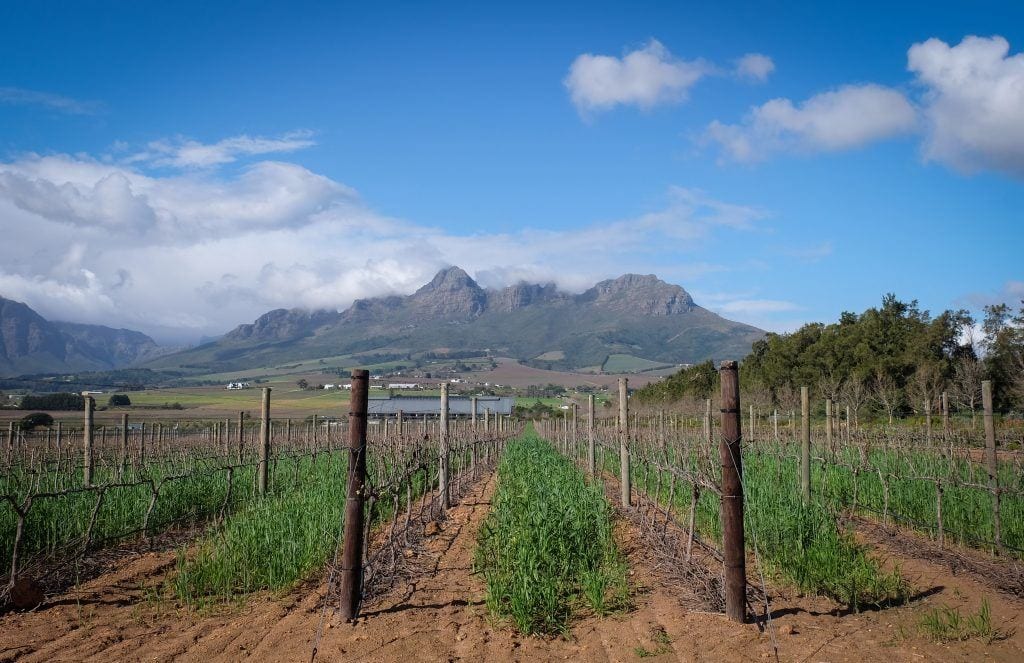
(241, 435)
(352, 552)
(442, 467)
(729, 446)
(591, 457)
(828, 426)
(472, 415)
(261, 485)
(992, 462)
(805, 445)
(624, 441)
(124, 442)
(142, 443)
(945, 413)
(707, 420)
(87, 441)
(575, 432)
(750, 433)
(928, 420)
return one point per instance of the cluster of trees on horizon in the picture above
(893, 360)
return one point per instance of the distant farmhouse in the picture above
(238, 385)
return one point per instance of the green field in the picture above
(283, 397)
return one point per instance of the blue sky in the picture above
(183, 168)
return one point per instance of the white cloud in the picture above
(841, 119)
(87, 193)
(185, 153)
(15, 96)
(973, 103)
(755, 66)
(645, 77)
(181, 256)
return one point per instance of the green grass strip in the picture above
(274, 542)
(546, 549)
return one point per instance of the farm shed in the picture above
(458, 406)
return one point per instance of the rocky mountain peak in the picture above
(522, 295)
(452, 292)
(643, 294)
(281, 324)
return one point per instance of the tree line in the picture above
(892, 361)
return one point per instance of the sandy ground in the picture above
(440, 616)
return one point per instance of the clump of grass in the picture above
(806, 545)
(273, 543)
(945, 624)
(547, 548)
(802, 544)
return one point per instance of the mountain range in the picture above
(31, 344)
(637, 317)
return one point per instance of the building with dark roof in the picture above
(458, 406)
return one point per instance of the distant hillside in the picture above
(632, 319)
(31, 344)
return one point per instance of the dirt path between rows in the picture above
(440, 616)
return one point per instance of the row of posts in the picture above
(352, 544)
(730, 444)
(263, 446)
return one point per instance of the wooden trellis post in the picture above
(442, 476)
(352, 552)
(624, 441)
(87, 441)
(261, 485)
(992, 463)
(591, 459)
(805, 445)
(729, 447)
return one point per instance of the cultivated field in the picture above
(226, 540)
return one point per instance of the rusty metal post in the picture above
(352, 551)
(992, 462)
(87, 441)
(805, 445)
(732, 495)
(261, 485)
(624, 441)
(591, 459)
(442, 470)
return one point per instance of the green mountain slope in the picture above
(635, 315)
